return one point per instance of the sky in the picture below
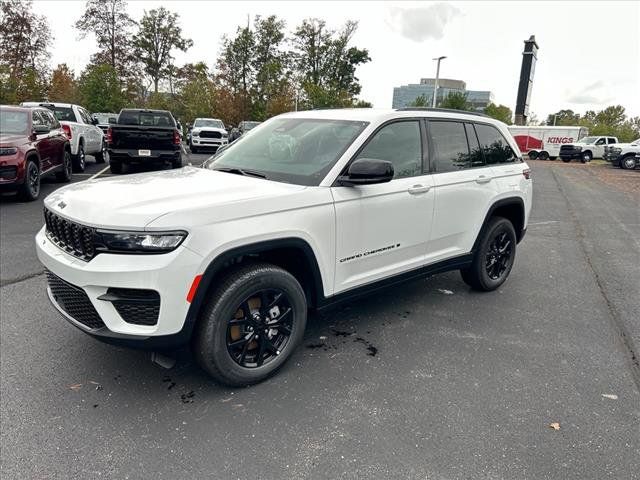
(594, 64)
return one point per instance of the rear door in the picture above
(56, 138)
(45, 146)
(464, 186)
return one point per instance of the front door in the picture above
(382, 229)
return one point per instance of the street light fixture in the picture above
(435, 87)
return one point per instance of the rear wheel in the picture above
(553, 158)
(566, 159)
(253, 322)
(30, 189)
(67, 169)
(494, 258)
(533, 154)
(543, 156)
(102, 154)
(177, 163)
(79, 160)
(115, 167)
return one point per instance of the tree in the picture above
(24, 42)
(563, 118)
(99, 88)
(456, 101)
(419, 101)
(109, 21)
(158, 35)
(63, 86)
(499, 112)
(197, 93)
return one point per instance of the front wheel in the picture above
(30, 189)
(193, 149)
(586, 157)
(253, 322)
(628, 162)
(494, 258)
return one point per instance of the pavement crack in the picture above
(21, 278)
(630, 351)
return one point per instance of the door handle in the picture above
(483, 179)
(417, 189)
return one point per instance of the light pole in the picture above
(435, 87)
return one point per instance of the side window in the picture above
(450, 148)
(37, 118)
(601, 141)
(493, 144)
(85, 116)
(612, 140)
(401, 144)
(50, 119)
(475, 152)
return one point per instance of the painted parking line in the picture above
(99, 173)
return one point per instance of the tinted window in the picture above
(150, 119)
(401, 144)
(493, 144)
(12, 121)
(477, 160)
(50, 119)
(64, 114)
(612, 140)
(450, 149)
(37, 118)
(601, 141)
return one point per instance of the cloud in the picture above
(589, 95)
(419, 24)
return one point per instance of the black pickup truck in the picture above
(143, 137)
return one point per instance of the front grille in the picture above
(71, 237)
(74, 301)
(206, 134)
(8, 173)
(567, 148)
(136, 306)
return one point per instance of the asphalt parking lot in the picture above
(426, 380)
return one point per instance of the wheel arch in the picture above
(33, 155)
(511, 208)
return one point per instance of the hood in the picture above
(12, 140)
(134, 201)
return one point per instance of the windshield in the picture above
(103, 118)
(292, 150)
(207, 122)
(12, 121)
(246, 126)
(589, 140)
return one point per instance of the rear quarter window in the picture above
(494, 146)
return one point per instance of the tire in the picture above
(532, 155)
(30, 189)
(628, 162)
(177, 163)
(231, 353)
(79, 159)
(543, 156)
(553, 158)
(67, 168)
(566, 159)
(102, 154)
(115, 167)
(498, 235)
(586, 157)
(192, 148)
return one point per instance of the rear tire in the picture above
(532, 155)
(79, 160)
(30, 189)
(67, 168)
(115, 167)
(543, 156)
(177, 163)
(102, 154)
(252, 352)
(565, 159)
(493, 260)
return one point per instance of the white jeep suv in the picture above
(85, 137)
(311, 208)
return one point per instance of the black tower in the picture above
(529, 58)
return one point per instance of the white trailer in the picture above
(544, 142)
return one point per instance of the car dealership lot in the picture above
(426, 380)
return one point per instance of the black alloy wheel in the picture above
(499, 255)
(31, 187)
(260, 329)
(67, 168)
(80, 161)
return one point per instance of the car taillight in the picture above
(176, 137)
(109, 135)
(527, 173)
(67, 131)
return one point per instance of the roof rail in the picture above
(447, 110)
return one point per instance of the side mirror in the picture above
(41, 129)
(367, 171)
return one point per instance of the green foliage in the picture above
(499, 112)
(563, 118)
(456, 101)
(609, 121)
(158, 35)
(420, 101)
(99, 88)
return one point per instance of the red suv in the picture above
(32, 145)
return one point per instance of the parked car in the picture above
(207, 133)
(624, 155)
(32, 146)
(586, 149)
(247, 125)
(544, 143)
(143, 136)
(84, 136)
(103, 120)
(320, 207)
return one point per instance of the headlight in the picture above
(141, 242)
(195, 133)
(579, 149)
(225, 135)
(8, 150)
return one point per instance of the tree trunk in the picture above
(155, 85)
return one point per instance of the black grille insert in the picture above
(207, 134)
(71, 237)
(136, 306)
(74, 301)
(8, 172)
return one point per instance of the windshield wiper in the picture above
(241, 171)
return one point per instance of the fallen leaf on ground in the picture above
(555, 425)
(75, 386)
(446, 292)
(610, 396)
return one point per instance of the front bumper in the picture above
(169, 274)
(11, 173)
(204, 142)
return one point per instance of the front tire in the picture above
(494, 258)
(586, 157)
(67, 168)
(30, 189)
(628, 162)
(254, 320)
(79, 160)
(193, 149)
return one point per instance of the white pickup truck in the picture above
(624, 155)
(586, 149)
(85, 137)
